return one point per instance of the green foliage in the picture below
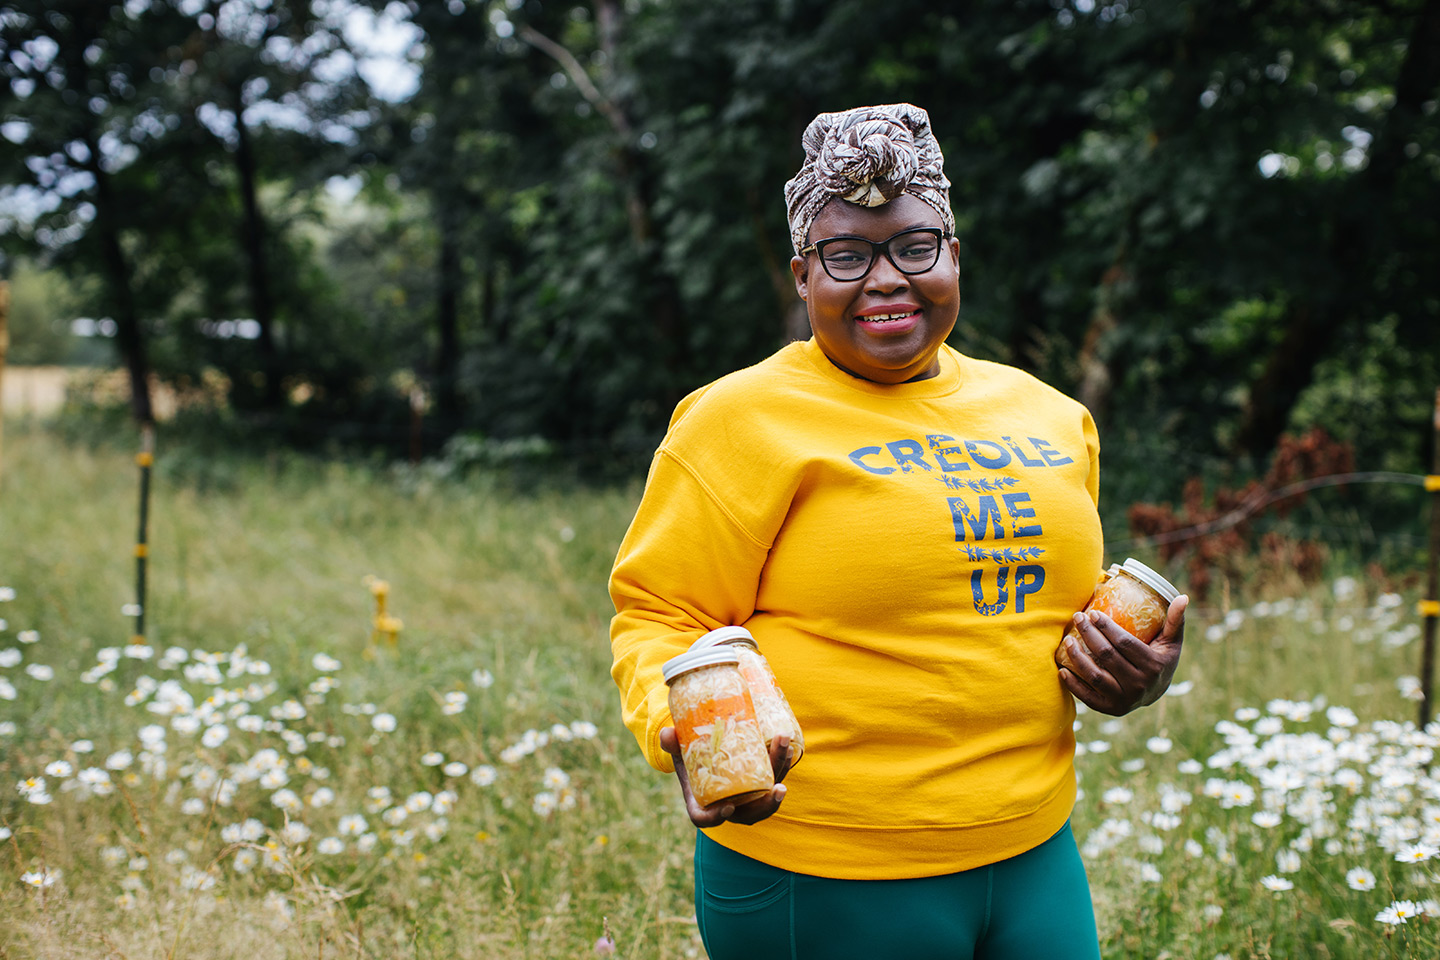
(42, 304)
(1193, 216)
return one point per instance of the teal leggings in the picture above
(1035, 906)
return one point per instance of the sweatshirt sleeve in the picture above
(1092, 447)
(686, 566)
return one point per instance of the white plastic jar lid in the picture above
(724, 635)
(695, 659)
(1151, 579)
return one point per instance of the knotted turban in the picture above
(869, 156)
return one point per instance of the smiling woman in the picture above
(884, 291)
(905, 532)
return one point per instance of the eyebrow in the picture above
(856, 236)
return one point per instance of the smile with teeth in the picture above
(887, 317)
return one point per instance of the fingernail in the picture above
(727, 811)
(780, 791)
(1079, 617)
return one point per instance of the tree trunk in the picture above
(1359, 239)
(1306, 339)
(129, 336)
(794, 318)
(447, 320)
(253, 238)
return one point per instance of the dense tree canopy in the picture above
(1212, 222)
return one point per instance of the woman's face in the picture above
(919, 309)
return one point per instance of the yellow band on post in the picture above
(1428, 608)
(1432, 483)
(145, 459)
(142, 550)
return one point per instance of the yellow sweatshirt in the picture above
(906, 557)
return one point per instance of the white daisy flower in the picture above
(1400, 911)
(286, 800)
(40, 878)
(294, 833)
(1276, 884)
(1414, 853)
(1358, 878)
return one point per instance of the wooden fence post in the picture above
(145, 459)
(1430, 605)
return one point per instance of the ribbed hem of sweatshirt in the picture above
(895, 851)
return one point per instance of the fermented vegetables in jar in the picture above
(772, 709)
(1134, 596)
(725, 754)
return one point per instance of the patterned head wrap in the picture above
(869, 156)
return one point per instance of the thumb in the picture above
(1172, 631)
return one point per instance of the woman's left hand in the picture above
(1113, 671)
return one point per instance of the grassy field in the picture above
(260, 779)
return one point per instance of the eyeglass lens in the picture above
(850, 258)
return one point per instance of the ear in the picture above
(954, 246)
(799, 266)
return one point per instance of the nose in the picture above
(884, 276)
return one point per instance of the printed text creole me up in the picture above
(987, 512)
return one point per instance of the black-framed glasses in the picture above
(850, 258)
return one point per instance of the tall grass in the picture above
(257, 577)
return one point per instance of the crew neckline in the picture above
(944, 383)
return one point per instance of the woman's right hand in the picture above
(718, 813)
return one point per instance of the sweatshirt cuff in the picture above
(654, 754)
